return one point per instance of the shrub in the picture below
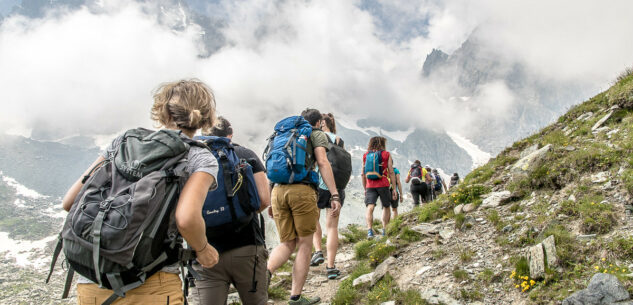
(409, 235)
(362, 249)
(622, 247)
(460, 274)
(380, 252)
(466, 255)
(346, 293)
(430, 211)
(468, 193)
(627, 178)
(353, 234)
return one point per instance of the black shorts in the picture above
(394, 203)
(324, 198)
(372, 194)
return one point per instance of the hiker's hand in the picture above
(270, 212)
(401, 199)
(336, 207)
(208, 256)
(394, 195)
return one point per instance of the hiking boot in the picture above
(317, 259)
(370, 233)
(332, 273)
(384, 232)
(305, 301)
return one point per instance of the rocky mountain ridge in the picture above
(548, 221)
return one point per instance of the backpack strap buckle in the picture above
(106, 204)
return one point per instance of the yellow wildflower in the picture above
(597, 268)
(516, 286)
(604, 259)
(532, 282)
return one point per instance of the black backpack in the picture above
(416, 174)
(341, 162)
(121, 228)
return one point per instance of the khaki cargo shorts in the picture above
(295, 210)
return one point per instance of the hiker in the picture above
(454, 180)
(418, 187)
(438, 183)
(377, 166)
(398, 187)
(428, 178)
(243, 253)
(328, 125)
(294, 195)
(183, 108)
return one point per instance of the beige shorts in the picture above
(160, 288)
(295, 210)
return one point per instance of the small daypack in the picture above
(121, 228)
(438, 183)
(234, 203)
(287, 152)
(373, 165)
(416, 174)
(341, 162)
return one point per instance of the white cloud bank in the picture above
(92, 71)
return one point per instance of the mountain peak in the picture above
(434, 59)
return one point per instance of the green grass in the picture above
(278, 293)
(522, 266)
(466, 255)
(409, 235)
(347, 293)
(466, 193)
(471, 295)
(596, 216)
(460, 274)
(486, 276)
(627, 179)
(622, 247)
(354, 234)
(362, 248)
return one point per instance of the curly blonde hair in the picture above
(185, 104)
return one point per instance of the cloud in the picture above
(92, 70)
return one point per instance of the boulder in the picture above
(458, 209)
(388, 303)
(495, 199)
(603, 289)
(425, 228)
(423, 270)
(601, 121)
(469, 208)
(434, 296)
(600, 177)
(446, 233)
(365, 278)
(528, 151)
(382, 269)
(525, 163)
(536, 258)
(549, 247)
(585, 116)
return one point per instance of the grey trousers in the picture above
(234, 267)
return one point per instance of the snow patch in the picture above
(21, 189)
(19, 203)
(25, 252)
(398, 135)
(478, 156)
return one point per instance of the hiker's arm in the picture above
(189, 217)
(262, 190)
(393, 177)
(362, 176)
(328, 177)
(69, 198)
(399, 186)
(445, 188)
(406, 180)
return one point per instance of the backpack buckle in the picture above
(106, 204)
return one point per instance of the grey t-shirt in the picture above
(198, 160)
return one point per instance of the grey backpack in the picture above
(121, 228)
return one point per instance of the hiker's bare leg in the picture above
(316, 240)
(369, 217)
(281, 254)
(386, 216)
(301, 265)
(331, 223)
(394, 213)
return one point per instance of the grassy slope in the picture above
(576, 154)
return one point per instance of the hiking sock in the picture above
(295, 297)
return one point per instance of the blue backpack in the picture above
(373, 170)
(438, 183)
(287, 151)
(232, 205)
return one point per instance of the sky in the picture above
(92, 70)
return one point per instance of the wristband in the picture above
(336, 197)
(205, 246)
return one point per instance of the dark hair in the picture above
(329, 122)
(313, 116)
(377, 143)
(417, 162)
(221, 128)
